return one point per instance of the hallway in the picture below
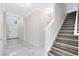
(17, 47)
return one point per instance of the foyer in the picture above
(39, 29)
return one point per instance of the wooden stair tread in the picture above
(61, 52)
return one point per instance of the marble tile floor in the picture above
(16, 47)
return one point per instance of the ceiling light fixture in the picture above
(24, 4)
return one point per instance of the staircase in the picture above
(65, 44)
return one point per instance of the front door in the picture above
(11, 21)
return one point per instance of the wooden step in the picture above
(71, 28)
(71, 17)
(69, 31)
(70, 37)
(66, 31)
(77, 23)
(50, 54)
(69, 20)
(67, 41)
(74, 38)
(67, 35)
(67, 25)
(61, 52)
(66, 47)
(72, 21)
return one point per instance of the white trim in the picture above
(75, 28)
(47, 27)
(78, 46)
(76, 22)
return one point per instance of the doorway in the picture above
(12, 37)
(11, 26)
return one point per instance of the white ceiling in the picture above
(22, 11)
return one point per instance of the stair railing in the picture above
(76, 30)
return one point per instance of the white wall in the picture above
(34, 28)
(71, 7)
(53, 27)
(15, 8)
(1, 30)
(78, 6)
(20, 23)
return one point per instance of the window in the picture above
(13, 19)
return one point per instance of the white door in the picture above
(11, 21)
